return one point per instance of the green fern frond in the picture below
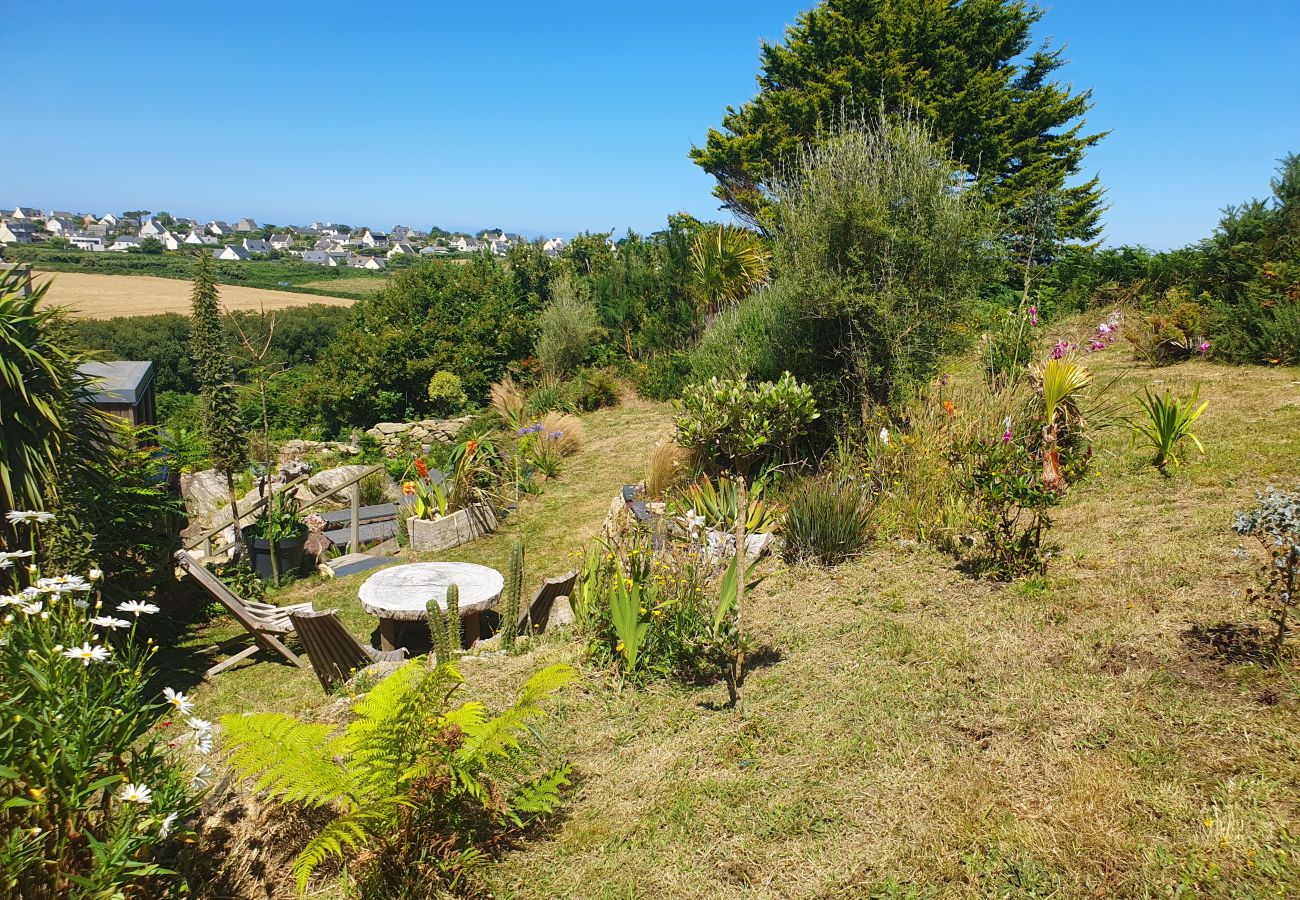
(346, 832)
(290, 759)
(498, 736)
(541, 796)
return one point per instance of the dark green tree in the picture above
(963, 68)
(216, 376)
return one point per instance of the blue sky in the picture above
(549, 118)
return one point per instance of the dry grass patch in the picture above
(91, 296)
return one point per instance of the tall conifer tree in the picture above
(964, 68)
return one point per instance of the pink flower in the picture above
(1033, 315)
(1103, 329)
(1061, 349)
(1203, 348)
(1006, 435)
(1094, 346)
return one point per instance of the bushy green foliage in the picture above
(1009, 505)
(662, 376)
(1010, 345)
(94, 799)
(418, 784)
(596, 389)
(967, 68)
(1173, 330)
(44, 422)
(877, 241)
(222, 423)
(736, 425)
(568, 328)
(446, 394)
(828, 520)
(727, 264)
(468, 319)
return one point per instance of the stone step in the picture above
(369, 533)
(365, 514)
(352, 563)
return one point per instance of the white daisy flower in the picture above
(135, 793)
(202, 725)
(884, 436)
(201, 776)
(87, 653)
(28, 516)
(81, 604)
(95, 574)
(34, 608)
(135, 607)
(110, 622)
(202, 742)
(62, 583)
(11, 600)
(178, 700)
(5, 564)
(166, 828)
(16, 554)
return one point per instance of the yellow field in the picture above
(104, 296)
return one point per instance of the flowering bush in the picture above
(1010, 503)
(1275, 523)
(95, 792)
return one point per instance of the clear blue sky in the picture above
(549, 118)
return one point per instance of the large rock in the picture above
(204, 492)
(330, 480)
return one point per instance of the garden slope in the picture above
(912, 732)
(104, 296)
(916, 733)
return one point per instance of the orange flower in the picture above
(421, 468)
(471, 447)
(408, 487)
(949, 408)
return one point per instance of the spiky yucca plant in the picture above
(409, 772)
(727, 263)
(1168, 423)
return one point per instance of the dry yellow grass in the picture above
(91, 296)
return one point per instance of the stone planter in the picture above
(460, 527)
(288, 554)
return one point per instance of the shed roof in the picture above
(124, 381)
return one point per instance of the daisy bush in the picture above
(99, 774)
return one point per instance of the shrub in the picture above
(662, 376)
(828, 520)
(1010, 346)
(727, 263)
(569, 327)
(1009, 504)
(418, 786)
(597, 389)
(97, 800)
(551, 395)
(879, 240)
(735, 425)
(1275, 523)
(374, 489)
(1173, 332)
(446, 394)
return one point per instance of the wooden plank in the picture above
(377, 512)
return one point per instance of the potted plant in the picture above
(446, 512)
(275, 541)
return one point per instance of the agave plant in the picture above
(715, 505)
(727, 262)
(1168, 423)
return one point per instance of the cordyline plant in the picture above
(1275, 523)
(95, 790)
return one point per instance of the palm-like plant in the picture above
(42, 414)
(727, 263)
(408, 771)
(1168, 423)
(1062, 383)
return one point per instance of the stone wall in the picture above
(392, 436)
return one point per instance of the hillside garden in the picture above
(920, 550)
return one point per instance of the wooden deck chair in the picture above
(263, 621)
(534, 618)
(336, 655)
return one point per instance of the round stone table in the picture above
(400, 594)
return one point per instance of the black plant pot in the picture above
(288, 554)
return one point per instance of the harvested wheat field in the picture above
(104, 296)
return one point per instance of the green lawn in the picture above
(917, 733)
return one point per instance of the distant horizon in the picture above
(578, 118)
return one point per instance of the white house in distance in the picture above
(152, 229)
(220, 229)
(91, 242)
(465, 245)
(60, 225)
(373, 263)
(281, 241)
(554, 246)
(195, 238)
(171, 241)
(125, 242)
(369, 239)
(400, 248)
(26, 213)
(257, 246)
(109, 220)
(230, 253)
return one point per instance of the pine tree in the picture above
(216, 377)
(961, 68)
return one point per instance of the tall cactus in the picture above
(438, 631)
(514, 589)
(453, 617)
